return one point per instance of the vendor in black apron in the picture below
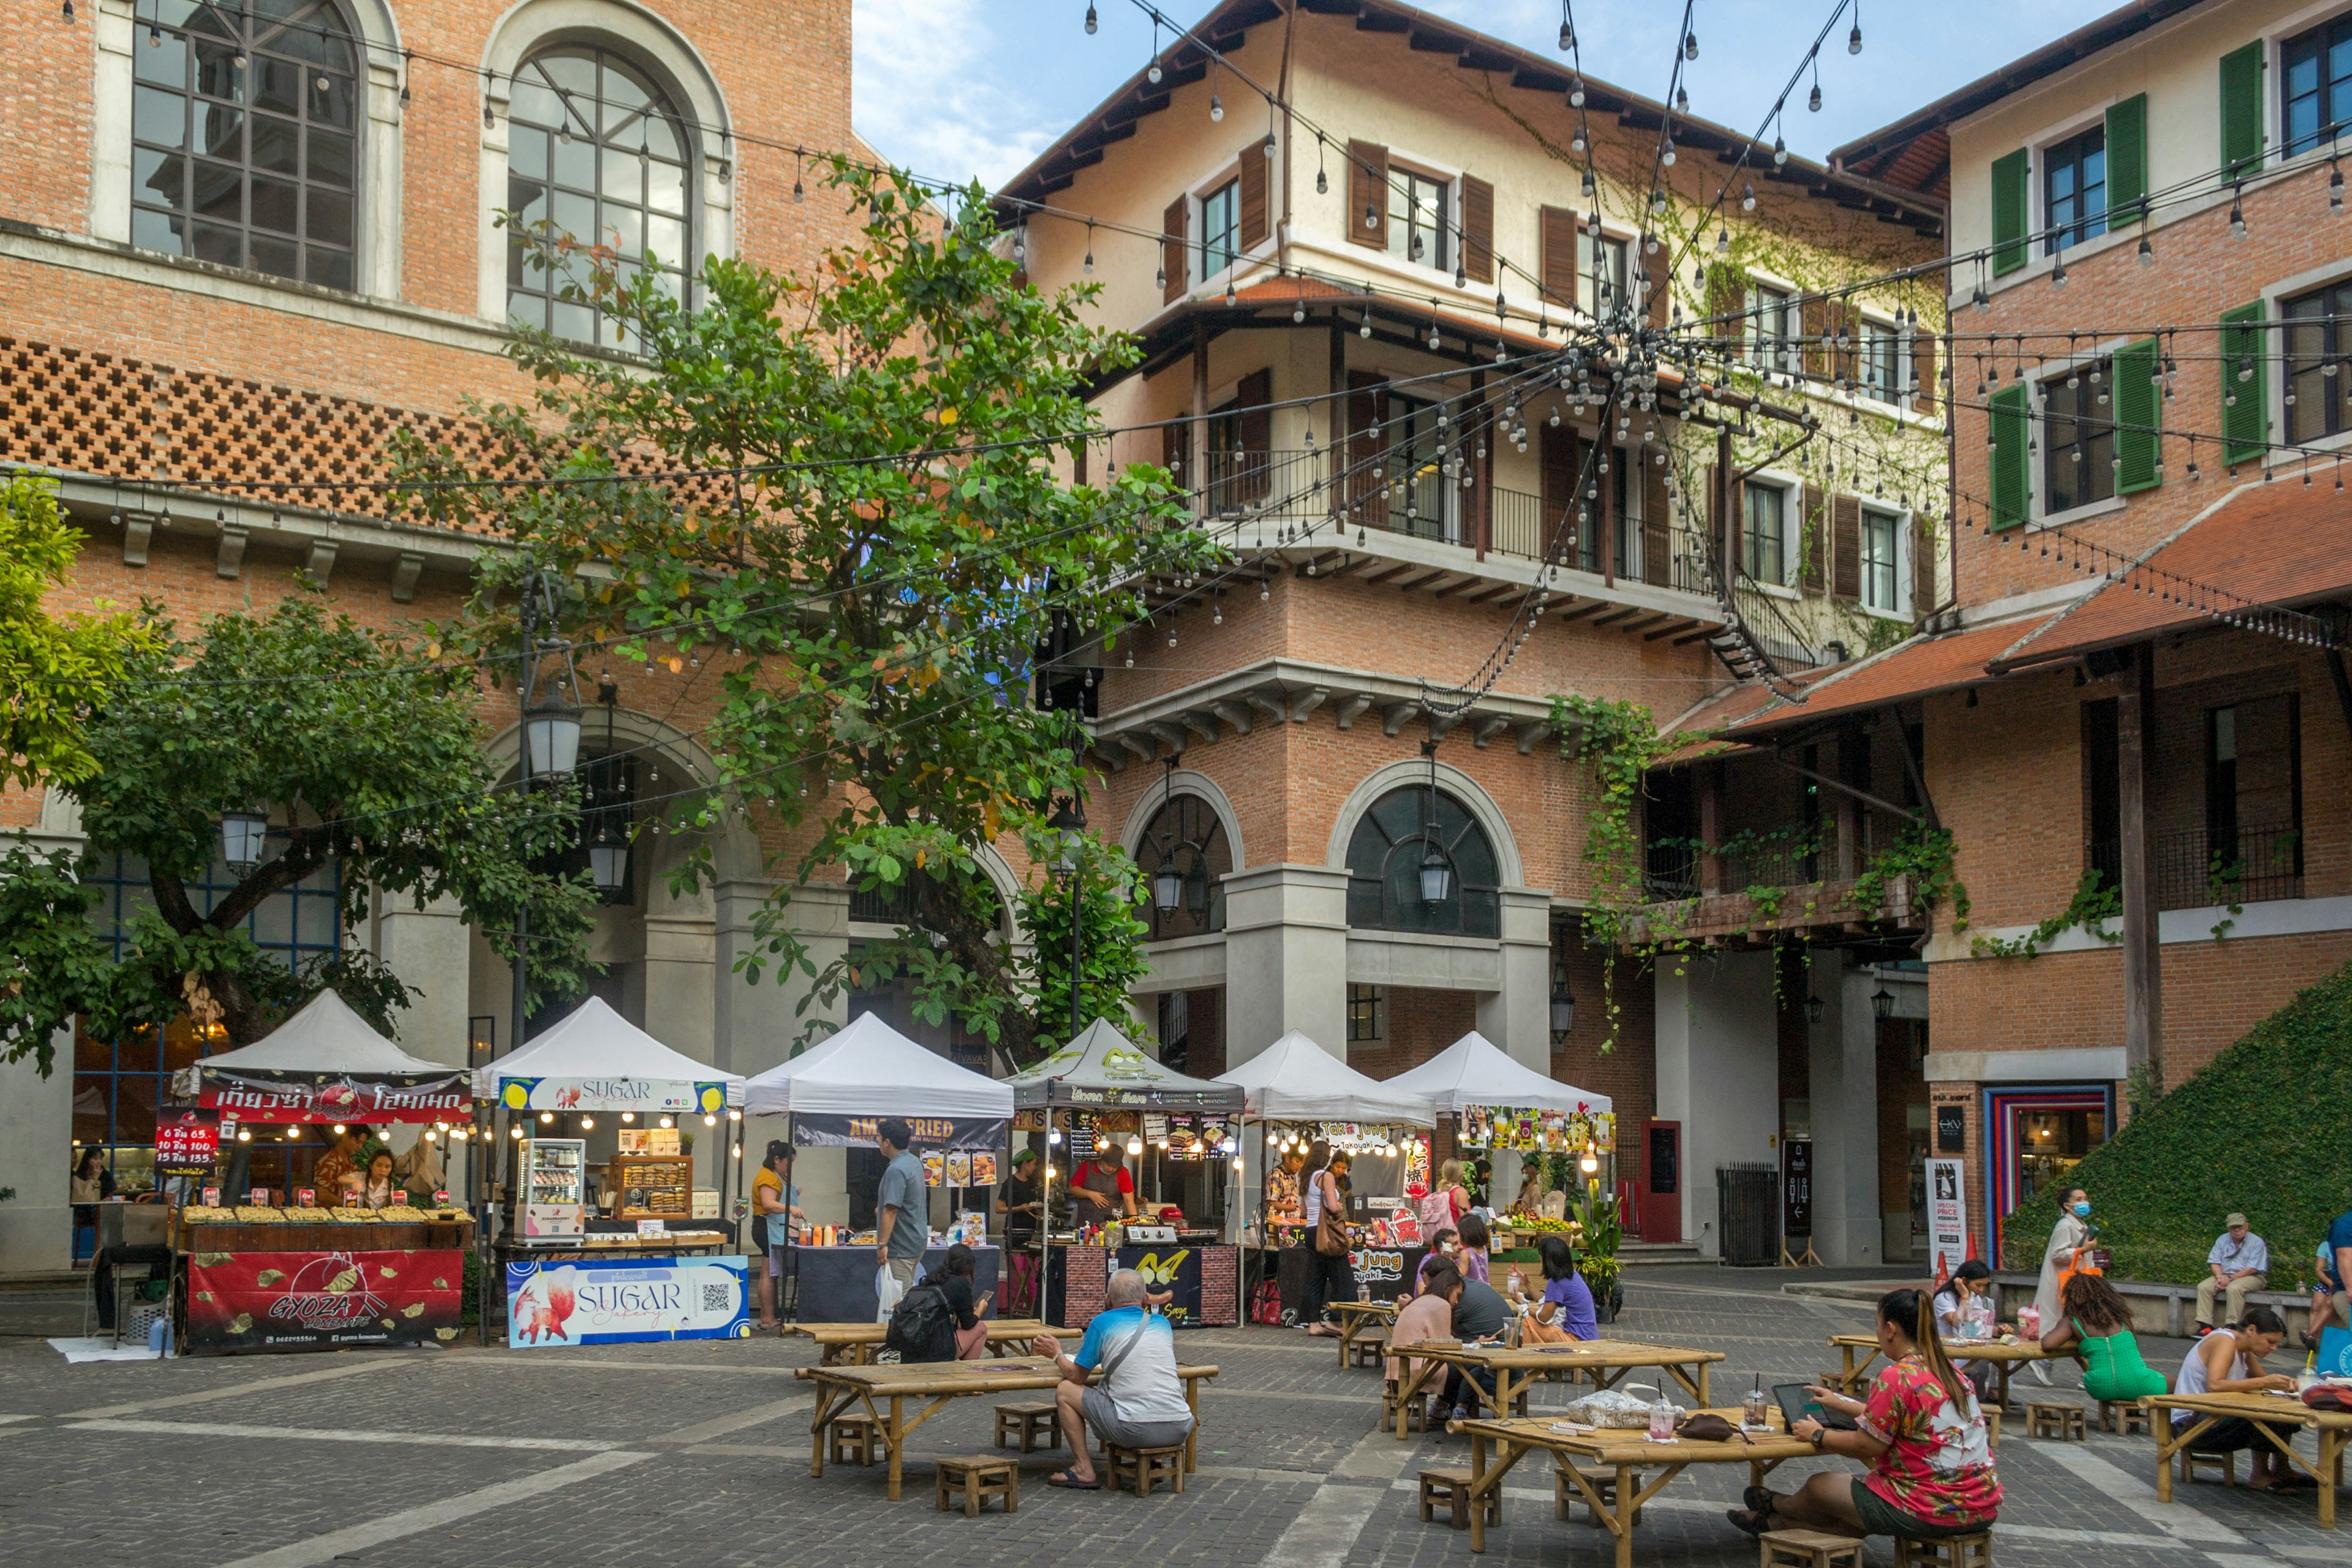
(1100, 1189)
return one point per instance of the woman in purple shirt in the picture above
(1475, 1240)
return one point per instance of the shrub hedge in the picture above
(2262, 1130)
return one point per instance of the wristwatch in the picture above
(1818, 1432)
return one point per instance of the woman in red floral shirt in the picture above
(1923, 1433)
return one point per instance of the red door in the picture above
(1662, 1181)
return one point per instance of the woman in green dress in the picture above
(2098, 1320)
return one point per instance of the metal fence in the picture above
(1748, 1206)
(2198, 867)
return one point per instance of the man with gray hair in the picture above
(1122, 1382)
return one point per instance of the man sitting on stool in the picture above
(1137, 1401)
(2239, 1262)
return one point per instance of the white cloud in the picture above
(931, 89)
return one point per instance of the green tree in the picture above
(53, 671)
(871, 583)
(367, 758)
(1110, 950)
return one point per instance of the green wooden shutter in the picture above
(2245, 422)
(2010, 480)
(2010, 218)
(2126, 161)
(2139, 415)
(2241, 110)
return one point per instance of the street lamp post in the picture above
(1068, 825)
(551, 744)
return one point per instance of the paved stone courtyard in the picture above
(697, 1452)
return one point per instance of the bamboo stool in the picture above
(978, 1478)
(1144, 1468)
(1564, 1495)
(1366, 1349)
(1035, 1426)
(1807, 1549)
(855, 1439)
(1952, 1551)
(2052, 1418)
(1451, 1489)
(2192, 1461)
(2129, 1417)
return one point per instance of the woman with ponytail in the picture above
(1922, 1434)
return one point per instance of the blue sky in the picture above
(963, 88)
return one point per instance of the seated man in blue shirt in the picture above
(1122, 1382)
(2327, 1294)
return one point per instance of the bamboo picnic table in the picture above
(1606, 1362)
(2331, 1428)
(2005, 1354)
(1355, 1317)
(1622, 1450)
(857, 1343)
(839, 1386)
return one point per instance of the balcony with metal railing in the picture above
(2202, 868)
(1756, 888)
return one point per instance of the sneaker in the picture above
(2204, 1329)
(2040, 1371)
(1460, 1413)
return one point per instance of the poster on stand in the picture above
(1948, 1217)
(622, 1301)
(323, 1301)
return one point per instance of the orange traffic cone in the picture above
(1943, 1271)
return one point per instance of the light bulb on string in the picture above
(1216, 107)
(1093, 22)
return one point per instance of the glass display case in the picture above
(554, 1187)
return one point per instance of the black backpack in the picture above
(922, 1325)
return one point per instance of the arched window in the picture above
(1384, 862)
(244, 137)
(595, 151)
(1186, 840)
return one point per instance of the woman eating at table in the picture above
(2230, 1361)
(1564, 1311)
(1922, 1433)
(2099, 1322)
(1428, 1316)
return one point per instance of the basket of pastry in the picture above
(249, 1213)
(308, 1216)
(204, 1213)
(354, 1216)
(402, 1214)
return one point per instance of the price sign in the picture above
(653, 1227)
(186, 1144)
(440, 1197)
(212, 1197)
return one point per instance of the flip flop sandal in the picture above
(1759, 1501)
(1746, 1521)
(1069, 1479)
(2293, 1482)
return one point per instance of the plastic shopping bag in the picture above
(887, 1291)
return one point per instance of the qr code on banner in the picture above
(718, 1297)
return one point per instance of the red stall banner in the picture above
(273, 1097)
(323, 1301)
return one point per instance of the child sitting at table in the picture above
(1564, 1313)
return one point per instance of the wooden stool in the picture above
(1807, 1549)
(1992, 1426)
(1451, 1488)
(1952, 1551)
(2129, 1417)
(1143, 1468)
(2192, 1461)
(1366, 1349)
(979, 1477)
(1416, 1413)
(1565, 1494)
(856, 1438)
(2050, 1418)
(1036, 1426)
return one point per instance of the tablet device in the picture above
(1796, 1405)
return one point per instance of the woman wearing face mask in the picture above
(2068, 1239)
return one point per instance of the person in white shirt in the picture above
(2239, 1262)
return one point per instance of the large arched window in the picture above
(244, 137)
(1187, 842)
(1386, 853)
(597, 152)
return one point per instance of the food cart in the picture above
(317, 1276)
(602, 1247)
(1294, 1092)
(1101, 1090)
(833, 1096)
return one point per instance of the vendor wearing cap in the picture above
(1100, 1188)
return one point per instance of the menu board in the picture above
(958, 1168)
(983, 1170)
(935, 1168)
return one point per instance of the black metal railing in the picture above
(1670, 872)
(2199, 868)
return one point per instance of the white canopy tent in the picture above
(1294, 1079)
(1473, 1071)
(325, 1036)
(869, 1069)
(597, 1060)
(326, 1064)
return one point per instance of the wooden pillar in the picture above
(1603, 513)
(1482, 488)
(1200, 442)
(1727, 509)
(1335, 461)
(1853, 767)
(1710, 829)
(2135, 752)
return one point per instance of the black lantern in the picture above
(1882, 1003)
(1167, 882)
(242, 833)
(1815, 1008)
(1437, 872)
(608, 860)
(1563, 1005)
(1068, 826)
(551, 727)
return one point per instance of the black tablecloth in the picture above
(1387, 1273)
(837, 1283)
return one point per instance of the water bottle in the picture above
(1662, 1421)
(1751, 1412)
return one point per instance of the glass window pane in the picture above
(575, 164)
(277, 144)
(577, 323)
(220, 131)
(572, 70)
(159, 117)
(280, 257)
(164, 62)
(333, 103)
(217, 73)
(527, 199)
(330, 159)
(526, 153)
(276, 204)
(151, 230)
(662, 135)
(530, 309)
(534, 102)
(213, 243)
(328, 268)
(219, 192)
(665, 187)
(159, 177)
(329, 219)
(666, 241)
(576, 216)
(277, 85)
(624, 180)
(625, 228)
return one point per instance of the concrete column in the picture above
(1286, 958)
(35, 1155)
(754, 1023)
(429, 949)
(1841, 1056)
(1517, 1018)
(1718, 1074)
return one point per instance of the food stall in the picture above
(606, 1249)
(1295, 1092)
(312, 1275)
(834, 1095)
(1101, 1092)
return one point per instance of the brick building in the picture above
(244, 244)
(1339, 300)
(2138, 701)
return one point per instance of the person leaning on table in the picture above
(2230, 1361)
(1922, 1432)
(1122, 1382)
(2239, 1262)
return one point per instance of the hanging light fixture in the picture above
(551, 730)
(1134, 1145)
(1882, 1003)
(1815, 1008)
(1563, 1003)
(1591, 1164)
(1436, 871)
(242, 835)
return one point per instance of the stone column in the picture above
(756, 1023)
(430, 949)
(1517, 1018)
(1286, 958)
(1718, 1075)
(35, 1154)
(1841, 1058)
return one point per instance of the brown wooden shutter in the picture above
(1252, 220)
(1923, 370)
(1812, 324)
(1367, 407)
(1845, 547)
(1368, 192)
(1923, 566)
(1556, 234)
(1477, 229)
(1556, 445)
(1660, 281)
(1175, 224)
(1251, 468)
(1656, 535)
(1813, 523)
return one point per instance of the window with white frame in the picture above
(2078, 437)
(2075, 189)
(1417, 213)
(1221, 227)
(1878, 361)
(2315, 85)
(1764, 552)
(1599, 273)
(1771, 328)
(2318, 343)
(1882, 561)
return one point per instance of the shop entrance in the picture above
(2039, 1135)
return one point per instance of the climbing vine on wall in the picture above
(2094, 904)
(1620, 740)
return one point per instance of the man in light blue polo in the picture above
(2239, 1262)
(1122, 1382)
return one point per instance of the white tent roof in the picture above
(325, 1036)
(596, 1042)
(871, 1069)
(1294, 1079)
(1471, 1071)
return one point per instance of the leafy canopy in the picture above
(870, 591)
(53, 670)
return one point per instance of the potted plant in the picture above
(1597, 1218)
